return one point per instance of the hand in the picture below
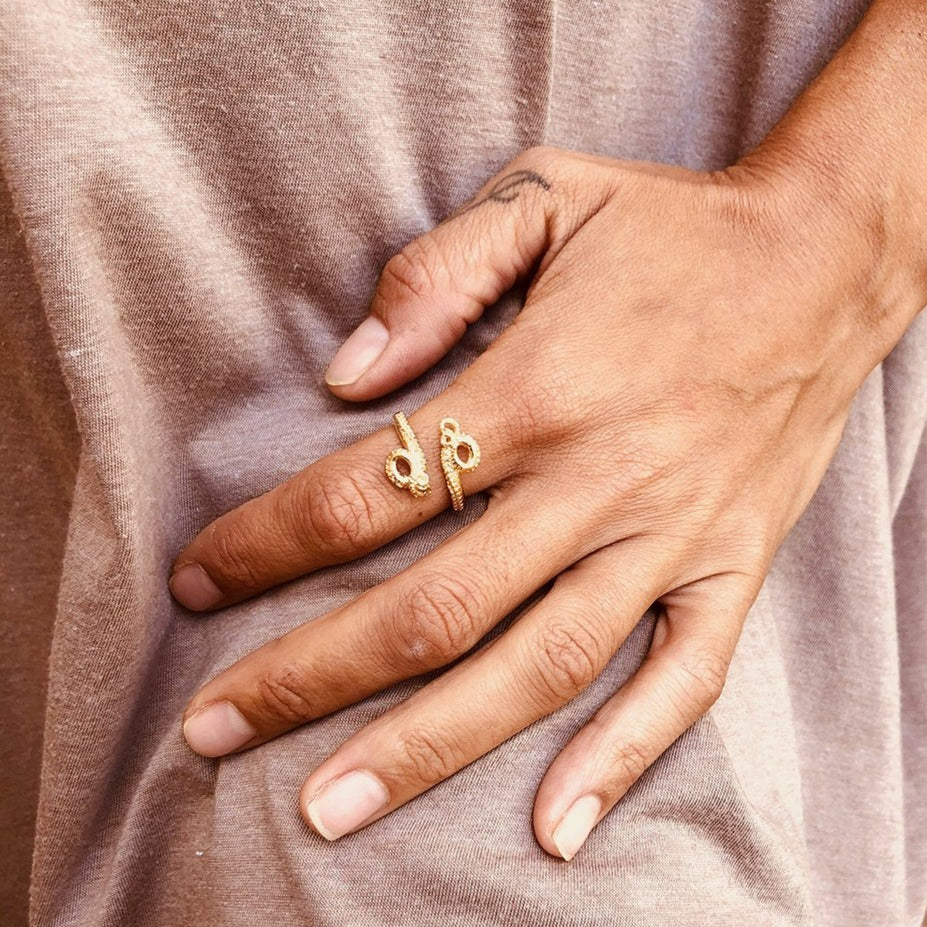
(652, 424)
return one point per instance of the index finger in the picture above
(337, 509)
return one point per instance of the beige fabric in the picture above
(206, 191)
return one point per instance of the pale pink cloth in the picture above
(197, 199)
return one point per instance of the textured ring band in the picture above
(452, 463)
(415, 475)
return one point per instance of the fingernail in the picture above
(576, 825)
(346, 803)
(364, 345)
(191, 586)
(217, 729)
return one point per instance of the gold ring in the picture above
(412, 455)
(452, 440)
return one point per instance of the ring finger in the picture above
(421, 619)
(548, 657)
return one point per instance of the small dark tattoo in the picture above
(508, 188)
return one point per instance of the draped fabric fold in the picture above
(198, 197)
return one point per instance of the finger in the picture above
(421, 619)
(442, 281)
(344, 506)
(678, 682)
(543, 661)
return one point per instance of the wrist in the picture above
(846, 167)
(853, 230)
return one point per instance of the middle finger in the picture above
(550, 655)
(422, 618)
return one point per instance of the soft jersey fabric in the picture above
(197, 198)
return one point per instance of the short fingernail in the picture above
(192, 587)
(576, 825)
(364, 345)
(346, 803)
(217, 729)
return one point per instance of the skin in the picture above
(687, 356)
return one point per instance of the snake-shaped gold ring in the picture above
(452, 463)
(414, 473)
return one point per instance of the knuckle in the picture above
(639, 473)
(231, 543)
(569, 658)
(703, 673)
(281, 696)
(541, 413)
(437, 620)
(427, 757)
(408, 274)
(338, 512)
(553, 411)
(629, 760)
